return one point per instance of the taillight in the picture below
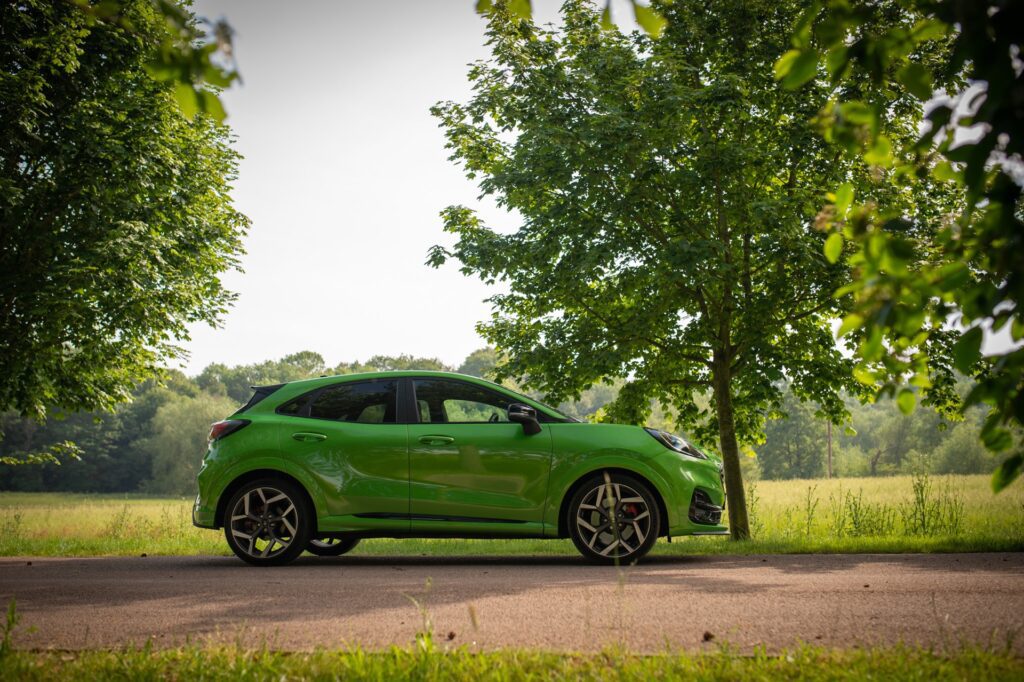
(226, 428)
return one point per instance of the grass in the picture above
(897, 514)
(428, 663)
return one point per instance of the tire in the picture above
(331, 546)
(268, 522)
(589, 520)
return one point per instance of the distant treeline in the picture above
(154, 444)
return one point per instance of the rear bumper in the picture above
(203, 517)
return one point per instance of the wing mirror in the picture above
(525, 415)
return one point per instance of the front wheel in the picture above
(614, 519)
(269, 522)
(331, 546)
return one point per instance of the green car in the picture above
(317, 465)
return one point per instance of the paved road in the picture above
(553, 603)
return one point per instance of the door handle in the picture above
(308, 437)
(436, 440)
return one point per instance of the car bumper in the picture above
(202, 516)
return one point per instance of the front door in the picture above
(470, 469)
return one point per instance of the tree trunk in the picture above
(739, 524)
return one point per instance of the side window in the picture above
(367, 402)
(441, 401)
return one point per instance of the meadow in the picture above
(894, 514)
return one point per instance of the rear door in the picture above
(348, 437)
(470, 469)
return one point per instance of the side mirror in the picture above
(525, 415)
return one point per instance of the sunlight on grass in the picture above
(959, 513)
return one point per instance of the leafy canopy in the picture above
(115, 214)
(968, 268)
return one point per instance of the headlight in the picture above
(676, 444)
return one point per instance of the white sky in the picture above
(344, 175)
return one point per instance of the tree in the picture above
(972, 269)
(668, 190)
(480, 363)
(178, 440)
(794, 444)
(115, 215)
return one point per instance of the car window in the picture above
(367, 402)
(443, 401)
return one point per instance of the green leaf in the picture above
(929, 29)
(784, 63)
(944, 172)
(880, 153)
(649, 20)
(1017, 328)
(606, 17)
(906, 400)
(484, 6)
(796, 67)
(864, 376)
(952, 276)
(850, 431)
(844, 198)
(833, 247)
(187, 98)
(967, 350)
(916, 79)
(520, 8)
(1007, 472)
(850, 322)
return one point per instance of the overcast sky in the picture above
(344, 175)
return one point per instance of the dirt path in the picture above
(554, 603)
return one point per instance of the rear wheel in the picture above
(614, 518)
(269, 522)
(331, 546)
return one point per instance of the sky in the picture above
(344, 175)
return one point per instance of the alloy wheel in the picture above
(613, 520)
(264, 522)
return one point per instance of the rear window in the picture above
(259, 393)
(365, 402)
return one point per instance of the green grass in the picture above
(428, 663)
(842, 515)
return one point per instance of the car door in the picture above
(470, 468)
(348, 438)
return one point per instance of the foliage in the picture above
(970, 266)
(115, 215)
(177, 441)
(646, 17)
(667, 190)
(194, 55)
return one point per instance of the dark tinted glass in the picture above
(368, 402)
(443, 401)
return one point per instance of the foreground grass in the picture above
(841, 515)
(427, 663)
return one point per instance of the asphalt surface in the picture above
(554, 603)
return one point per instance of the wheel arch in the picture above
(563, 509)
(255, 475)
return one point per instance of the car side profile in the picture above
(317, 465)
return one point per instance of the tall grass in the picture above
(898, 514)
